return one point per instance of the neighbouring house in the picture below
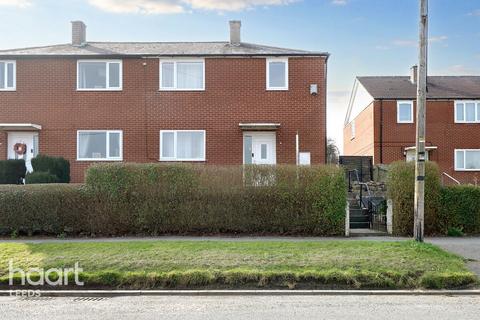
(227, 102)
(380, 122)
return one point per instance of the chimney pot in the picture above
(235, 26)
(79, 33)
(413, 74)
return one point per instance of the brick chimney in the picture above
(79, 33)
(413, 74)
(235, 26)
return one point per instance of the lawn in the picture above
(246, 264)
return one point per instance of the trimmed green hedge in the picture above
(44, 209)
(12, 171)
(40, 177)
(401, 189)
(460, 209)
(448, 210)
(153, 199)
(57, 166)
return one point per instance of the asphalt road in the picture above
(244, 307)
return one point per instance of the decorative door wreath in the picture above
(20, 148)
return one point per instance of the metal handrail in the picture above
(452, 178)
(361, 184)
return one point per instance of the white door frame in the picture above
(27, 137)
(261, 135)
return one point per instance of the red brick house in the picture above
(208, 102)
(380, 122)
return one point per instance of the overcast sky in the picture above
(364, 37)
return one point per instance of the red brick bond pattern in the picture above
(235, 92)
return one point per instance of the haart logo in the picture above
(41, 277)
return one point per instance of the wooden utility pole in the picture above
(419, 202)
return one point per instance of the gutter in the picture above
(121, 293)
(126, 56)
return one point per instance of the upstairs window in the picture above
(277, 74)
(7, 75)
(99, 75)
(467, 112)
(352, 128)
(99, 145)
(467, 160)
(182, 145)
(182, 75)
(404, 111)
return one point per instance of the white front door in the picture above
(259, 148)
(30, 139)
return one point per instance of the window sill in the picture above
(467, 170)
(8, 90)
(114, 90)
(467, 122)
(182, 160)
(99, 160)
(405, 122)
(173, 90)
(277, 89)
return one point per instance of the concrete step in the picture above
(361, 218)
(367, 233)
(357, 211)
(359, 225)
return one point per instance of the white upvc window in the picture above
(277, 74)
(352, 130)
(99, 75)
(467, 159)
(404, 111)
(467, 111)
(99, 145)
(182, 145)
(8, 75)
(182, 74)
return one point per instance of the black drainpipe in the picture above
(381, 131)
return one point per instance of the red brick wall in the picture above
(235, 92)
(362, 144)
(441, 131)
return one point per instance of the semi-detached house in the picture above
(222, 103)
(380, 122)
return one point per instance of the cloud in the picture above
(15, 3)
(339, 2)
(179, 6)
(138, 6)
(475, 13)
(382, 47)
(404, 43)
(234, 5)
(414, 43)
(437, 39)
(457, 70)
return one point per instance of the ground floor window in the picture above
(99, 145)
(467, 159)
(182, 145)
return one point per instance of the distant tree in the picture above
(332, 152)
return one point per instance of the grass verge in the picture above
(245, 264)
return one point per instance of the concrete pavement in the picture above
(469, 248)
(243, 307)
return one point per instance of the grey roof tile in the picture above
(157, 49)
(439, 87)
